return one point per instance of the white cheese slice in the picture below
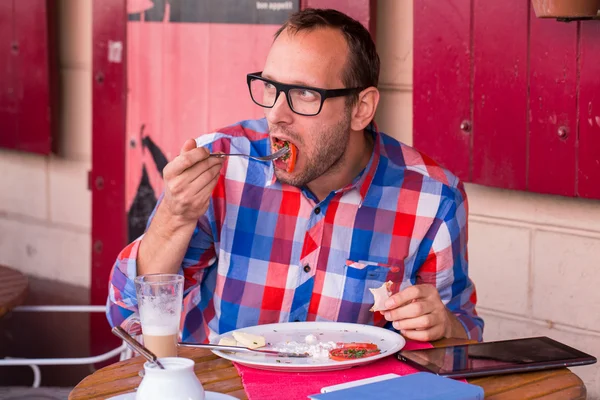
(249, 340)
(227, 341)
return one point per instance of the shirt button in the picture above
(307, 268)
(317, 210)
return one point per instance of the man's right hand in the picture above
(189, 182)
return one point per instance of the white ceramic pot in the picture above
(176, 382)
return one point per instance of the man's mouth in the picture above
(288, 161)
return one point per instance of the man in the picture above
(258, 244)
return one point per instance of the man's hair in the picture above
(362, 67)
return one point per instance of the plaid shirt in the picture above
(268, 252)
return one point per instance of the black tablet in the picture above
(493, 358)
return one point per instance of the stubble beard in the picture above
(326, 156)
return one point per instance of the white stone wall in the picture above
(535, 259)
(45, 206)
(535, 262)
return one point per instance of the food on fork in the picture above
(381, 294)
(288, 160)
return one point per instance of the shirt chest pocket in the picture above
(374, 274)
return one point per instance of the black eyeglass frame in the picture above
(285, 88)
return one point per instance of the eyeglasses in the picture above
(303, 100)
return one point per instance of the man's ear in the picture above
(364, 109)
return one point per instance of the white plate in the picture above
(389, 342)
(209, 396)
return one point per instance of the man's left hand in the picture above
(419, 314)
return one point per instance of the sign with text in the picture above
(207, 11)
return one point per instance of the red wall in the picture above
(107, 178)
(505, 99)
(28, 75)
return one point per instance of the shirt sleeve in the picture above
(200, 254)
(443, 252)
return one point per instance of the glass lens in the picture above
(305, 101)
(263, 92)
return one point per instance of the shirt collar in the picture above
(363, 181)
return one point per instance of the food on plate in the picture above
(242, 339)
(311, 345)
(357, 345)
(227, 341)
(249, 340)
(336, 351)
(353, 351)
(381, 294)
(311, 339)
(288, 160)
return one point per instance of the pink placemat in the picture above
(265, 385)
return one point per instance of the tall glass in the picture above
(160, 298)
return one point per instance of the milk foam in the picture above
(159, 316)
(159, 330)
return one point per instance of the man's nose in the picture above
(280, 112)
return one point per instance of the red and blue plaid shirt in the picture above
(268, 252)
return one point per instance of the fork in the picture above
(279, 153)
(244, 350)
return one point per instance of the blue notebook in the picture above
(417, 386)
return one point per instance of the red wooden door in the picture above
(553, 106)
(442, 102)
(28, 75)
(107, 177)
(531, 87)
(499, 101)
(588, 146)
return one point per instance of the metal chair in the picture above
(123, 350)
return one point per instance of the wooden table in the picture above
(13, 289)
(219, 375)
